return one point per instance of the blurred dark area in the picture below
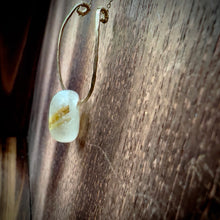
(22, 25)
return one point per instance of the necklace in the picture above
(64, 117)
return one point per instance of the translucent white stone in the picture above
(64, 116)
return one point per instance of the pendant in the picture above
(64, 116)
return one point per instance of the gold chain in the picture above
(108, 6)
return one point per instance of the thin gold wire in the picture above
(101, 16)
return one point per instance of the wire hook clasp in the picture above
(101, 16)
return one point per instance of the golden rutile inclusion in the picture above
(57, 118)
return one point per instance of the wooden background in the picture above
(155, 112)
(21, 35)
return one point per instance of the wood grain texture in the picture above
(154, 112)
(14, 180)
(21, 36)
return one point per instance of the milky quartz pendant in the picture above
(64, 116)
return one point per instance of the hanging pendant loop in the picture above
(101, 16)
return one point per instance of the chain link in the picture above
(108, 5)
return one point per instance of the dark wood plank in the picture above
(21, 32)
(22, 27)
(154, 112)
(14, 180)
